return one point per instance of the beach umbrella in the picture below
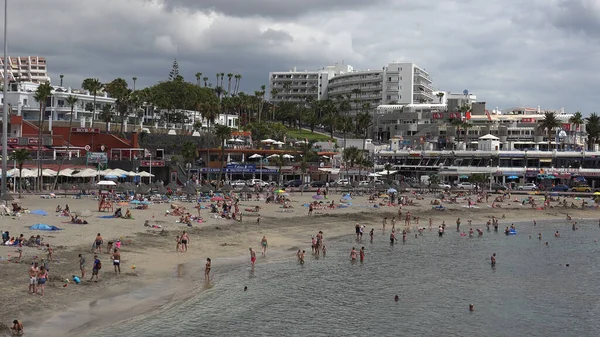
(206, 188)
(134, 202)
(385, 187)
(217, 199)
(161, 190)
(128, 186)
(189, 190)
(106, 183)
(392, 190)
(246, 189)
(463, 177)
(288, 156)
(172, 185)
(268, 141)
(550, 177)
(255, 156)
(141, 190)
(65, 187)
(121, 189)
(227, 188)
(7, 197)
(273, 156)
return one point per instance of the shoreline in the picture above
(225, 242)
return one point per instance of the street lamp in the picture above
(5, 105)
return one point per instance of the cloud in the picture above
(514, 52)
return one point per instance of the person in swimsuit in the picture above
(252, 256)
(17, 327)
(392, 237)
(42, 277)
(185, 238)
(207, 269)
(82, 265)
(264, 244)
(361, 254)
(99, 241)
(95, 268)
(116, 257)
(357, 230)
(353, 254)
(319, 242)
(384, 223)
(302, 257)
(493, 259)
(33, 274)
(371, 234)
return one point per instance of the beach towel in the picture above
(39, 212)
(106, 216)
(44, 227)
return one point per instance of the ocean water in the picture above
(530, 292)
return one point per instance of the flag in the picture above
(468, 115)
(487, 113)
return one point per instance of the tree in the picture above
(106, 114)
(20, 156)
(308, 154)
(549, 123)
(363, 124)
(350, 156)
(592, 127)
(205, 80)
(198, 78)
(42, 93)
(189, 152)
(174, 73)
(388, 167)
(457, 123)
(71, 101)
(238, 79)
(94, 86)
(440, 95)
(222, 132)
(576, 120)
(346, 124)
(118, 89)
(229, 76)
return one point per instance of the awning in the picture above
(545, 160)
(330, 170)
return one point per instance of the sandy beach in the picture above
(153, 250)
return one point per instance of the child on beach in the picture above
(178, 240)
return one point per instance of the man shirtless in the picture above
(17, 327)
(33, 272)
(185, 240)
(98, 242)
(252, 256)
(116, 257)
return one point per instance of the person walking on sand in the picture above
(207, 269)
(116, 257)
(33, 274)
(98, 242)
(185, 239)
(96, 268)
(42, 278)
(82, 265)
(252, 256)
(264, 245)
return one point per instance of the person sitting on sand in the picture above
(118, 213)
(58, 209)
(17, 327)
(128, 214)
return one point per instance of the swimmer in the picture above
(245, 288)
(575, 226)
(493, 259)
(302, 257)
(353, 254)
(540, 236)
(207, 269)
(362, 254)
(534, 223)
(393, 237)
(396, 298)
(471, 232)
(557, 234)
(371, 234)
(384, 223)
(471, 307)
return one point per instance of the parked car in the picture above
(254, 182)
(367, 182)
(293, 183)
(317, 184)
(560, 188)
(342, 182)
(465, 186)
(581, 188)
(498, 187)
(528, 187)
(238, 183)
(443, 186)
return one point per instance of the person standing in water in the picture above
(393, 237)
(493, 260)
(264, 245)
(353, 254)
(371, 234)
(361, 254)
(302, 257)
(385, 223)
(252, 256)
(393, 222)
(207, 269)
(458, 225)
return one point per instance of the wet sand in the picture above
(163, 276)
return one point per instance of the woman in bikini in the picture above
(207, 269)
(42, 277)
(264, 245)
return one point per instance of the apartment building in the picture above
(26, 69)
(298, 86)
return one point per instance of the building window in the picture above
(389, 97)
(389, 79)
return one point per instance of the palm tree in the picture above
(222, 132)
(592, 127)
(440, 95)
(94, 86)
(221, 75)
(134, 80)
(106, 114)
(189, 152)
(61, 79)
(350, 155)
(388, 167)
(20, 156)
(346, 124)
(457, 123)
(205, 80)
(42, 93)
(363, 123)
(576, 120)
(549, 123)
(229, 76)
(238, 79)
(198, 78)
(71, 101)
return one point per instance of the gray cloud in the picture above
(535, 52)
(270, 8)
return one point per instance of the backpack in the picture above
(99, 265)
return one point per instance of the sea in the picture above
(535, 289)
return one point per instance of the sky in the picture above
(506, 52)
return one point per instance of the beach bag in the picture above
(99, 265)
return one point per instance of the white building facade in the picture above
(26, 69)
(395, 83)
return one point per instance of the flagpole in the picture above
(5, 105)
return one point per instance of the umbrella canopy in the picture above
(246, 189)
(463, 177)
(66, 186)
(268, 141)
(374, 175)
(255, 156)
(227, 188)
(392, 190)
(278, 143)
(273, 156)
(7, 197)
(49, 173)
(128, 186)
(106, 183)
(189, 190)
(550, 177)
(66, 172)
(206, 188)
(121, 189)
(161, 190)
(145, 174)
(173, 186)
(142, 190)
(86, 173)
(288, 156)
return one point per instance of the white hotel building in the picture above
(395, 83)
(26, 69)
